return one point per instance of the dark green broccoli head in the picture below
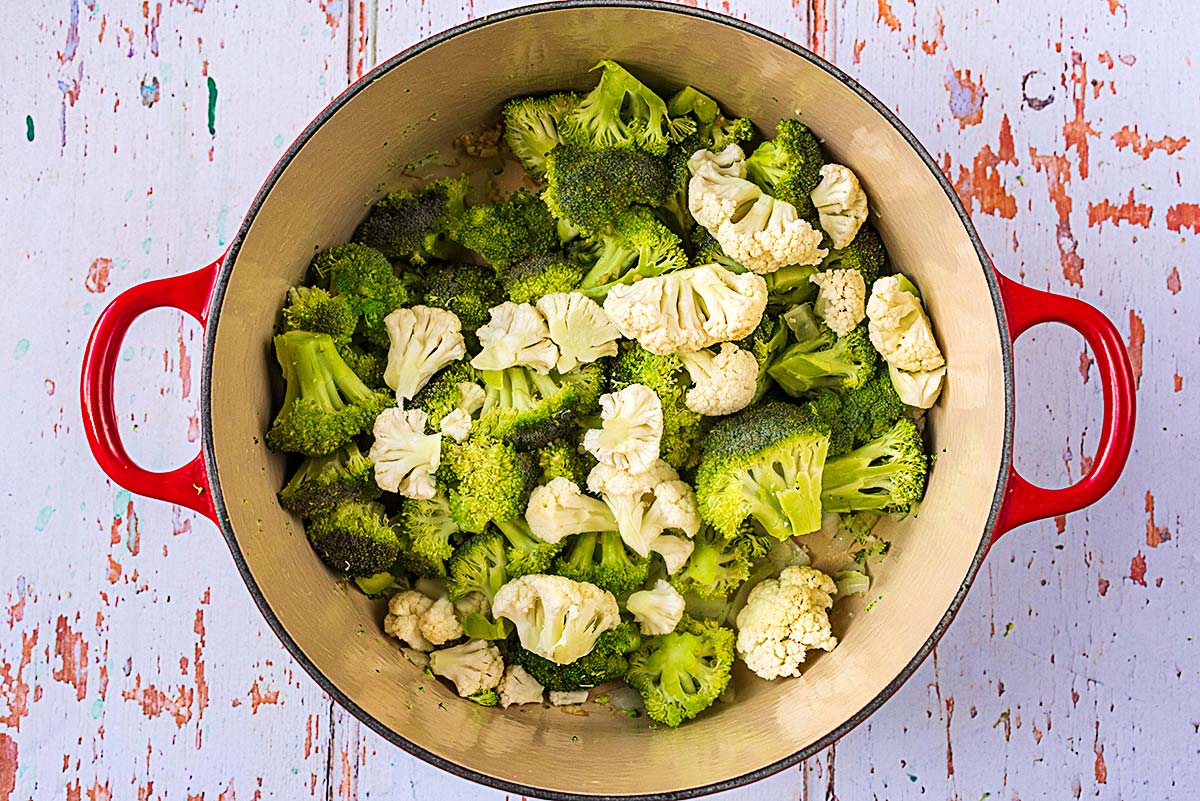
(826, 361)
(827, 406)
(590, 188)
(414, 225)
(487, 481)
(540, 275)
(604, 560)
(635, 246)
(368, 365)
(681, 674)
(622, 112)
(527, 408)
(788, 167)
(531, 127)
(526, 553)
(561, 458)
(442, 394)
(717, 566)
(865, 253)
(508, 230)
(363, 278)
(885, 475)
(478, 565)
(665, 375)
(763, 462)
(354, 538)
(870, 410)
(313, 309)
(321, 482)
(467, 290)
(607, 661)
(326, 404)
(427, 534)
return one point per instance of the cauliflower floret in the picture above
(474, 666)
(687, 310)
(657, 610)
(439, 624)
(518, 687)
(675, 551)
(841, 299)
(457, 423)
(559, 509)
(631, 431)
(841, 204)
(516, 334)
(403, 620)
(718, 186)
(647, 503)
(556, 618)
(917, 389)
(899, 328)
(723, 382)
(579, 327)
(423, 341)
(770, 236)
(568, 697)
(783, 619)
(405, 456)
(472, 603)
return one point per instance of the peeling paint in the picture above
(1128, 211)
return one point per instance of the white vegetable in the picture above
(718, 186)
(841, 203)
(456, 424)
(579, 327)
(657, 610)
(474, 666)
(783, 619)
(646, 504)
(472, 602)
(559, 509)
(841, 299)
(518, 687)
(723, 382)
(403, 620)
(899, 327)
(675, 551)
(769, 236)
(422, 341)
(405, 456)
(917, 389)
(556, 618)
(439, 624)
(631, 432)
(515, 335)
(687, 310)
(568, 697)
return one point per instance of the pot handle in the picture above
(188, 485)
(1024, 308)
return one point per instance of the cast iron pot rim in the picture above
(276, 625)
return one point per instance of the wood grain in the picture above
(134, 136)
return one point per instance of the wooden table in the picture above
(133, 663)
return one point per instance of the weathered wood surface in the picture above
(132, 661)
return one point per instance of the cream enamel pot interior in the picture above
(420, 101)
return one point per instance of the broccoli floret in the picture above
(788, 167)
(478, 565)
(508, 230)
(324, 481)
(826, 361)
(590, 382)
(531, 127)
(607, 661)
(681, 674)
(764, 462)
(766, 342)
(714, 130)
(826, 406)
(526, 553)
(789, 286)
(635, 246)
(487, 480)
(865, 253)
(488, 697)
(530, 409)
(870, 410)
(441, 395)
(604, 560)
(354, 537)
(868, 546)
(622, 112)
(378, 585)
(541, 274)
(326, 404)
(886, 475)
(467, 290)
(311, 308)
(561, 458)
(717, 566)
(590, 188)
(415, 225)
(369, 365)
(427, 534)
(363, 278)
(706, 250)
(665, 375)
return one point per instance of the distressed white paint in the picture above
(1083, 686)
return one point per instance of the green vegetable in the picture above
(354, 537)
(717, 566)
(478, 565)
(525, 552)
(486, 479)
(886, 475)
(604, 560)
(541, 274)
(825, 361)
(508, 230)
(634, 246)
(531, 127)
(427, 534)
(788, 167)
(363, 278)
(681, 674)
(666, 377)
(608, 660)
(467, 290)
(415, 225)
(323, 481)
